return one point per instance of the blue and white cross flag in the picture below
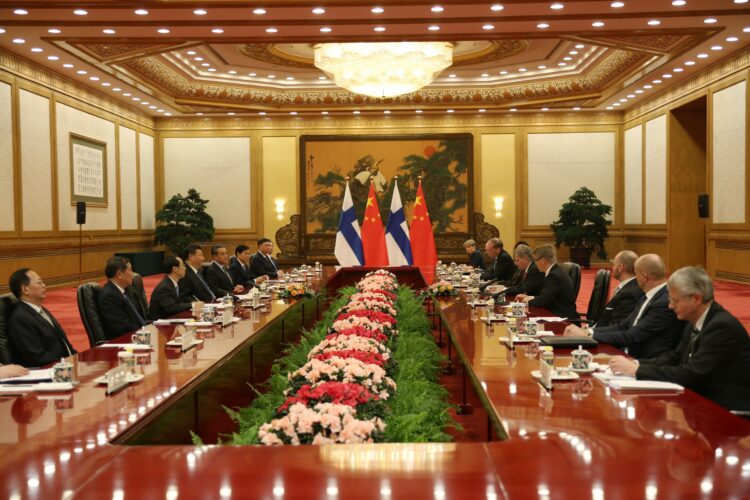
(348, 249)
(397, 234)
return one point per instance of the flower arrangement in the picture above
(295, 291)
(359, 332)
(350, 342)
(440, 289)
(346, 370)
(330, 392)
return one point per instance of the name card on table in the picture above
(117, 378)
(546, 372)
(188, 339)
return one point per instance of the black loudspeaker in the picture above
(81, 212)
(703, 206)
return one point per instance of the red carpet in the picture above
(62, 302)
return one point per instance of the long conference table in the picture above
(579, 440)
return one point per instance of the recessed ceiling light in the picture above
(212, 70)
(272, 30)
(154, 107)
(452, 75)
(503, 72)
(496, 7)
(106, 84)
(136, 98)
(677, 70)
(556, 6)
(654, 22)
(67, 65)
(580, 46)
(206, 65)
(545, 109)
(513, 110)
(387, 112)
(199, 58)
(716, 47)
(377, 10)
(740, 1)
(262, 113)
(576, 108)
(631, 96)
(541, 66)
(562, 64)
(567, 58)
(109, 31)
(616, 104)
(116, 89)
(710, 20)
(702, 55)
(617, 5)
(647, 86)
(259, 12)
(746, 29)
(689, 63)
(324, 112)
(418, 111)
(597, 24)
(231, 113)
(623, 100)
(200, 12)
(488, 27)
(522, 70)
(54, 31)
(610, 108)
(141, 12)
(732, 39)
(167, 114)
(542, 26)
(379, 28)
(127, 94)
(20, 12)
(53, 58)
(218, 31)
(325, 29)
(163, 31)
(290, 78)
(158, 110)
(437, 8)
(657, 81)
(318, 10)
(449, 111)
(37, 49)
(679, 3)
(232, 72)
(252, 74)
(639, 91)
(482, 110)
(667, 75)
(80, 12)
(573, 52)
(271, 77)
(19, 40)
(322, 78)
(485, 75)
(433, 28)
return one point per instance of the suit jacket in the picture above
(532, 282)
(658, 329)
(476, 259)
(261, 265)
(557, 294)
(220, 281)
(165, 301)
(241, 275)
(621, 304)
(117, 316)
(192, 288)
(502, 268)
(33, 341)
(716, 366)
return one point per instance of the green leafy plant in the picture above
(183, 220)
(582, 222)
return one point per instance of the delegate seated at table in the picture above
(240, 268)
(475, 256)
(263, 263)
(217, 274)
(531, 279)
(502, 267)
(557, 292)
(118, 312)
(626, 295)
(165, 299)
(192, 285)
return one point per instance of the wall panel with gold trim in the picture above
(7, 196)
(36, 161)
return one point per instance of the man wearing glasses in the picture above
(557, 292)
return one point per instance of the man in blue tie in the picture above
(119, 314)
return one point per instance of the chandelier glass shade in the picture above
(383, 69)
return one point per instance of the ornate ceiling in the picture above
(213, 57)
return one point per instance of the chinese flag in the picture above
(373, 235)
(422, 240)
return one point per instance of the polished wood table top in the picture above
(578, 441)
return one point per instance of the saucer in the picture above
(557, 375)
(132, 378)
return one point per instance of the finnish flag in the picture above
(348, 249)
(397, 233)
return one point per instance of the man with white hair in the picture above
(713, 358)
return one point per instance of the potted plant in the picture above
(183, 220)
(582, 226)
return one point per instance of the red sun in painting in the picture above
(429, 151)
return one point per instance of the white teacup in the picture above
(518, 309)
(62, 372)
(532, 328)
(581, 359)
(142, 337)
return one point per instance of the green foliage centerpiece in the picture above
(582, 226)
(183, 220)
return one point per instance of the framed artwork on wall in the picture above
(443, 161)
(88, 171)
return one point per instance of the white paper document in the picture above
(32, 376)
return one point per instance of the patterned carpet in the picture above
(62, 303)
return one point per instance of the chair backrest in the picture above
(88, 308)
(137, 294)
(574, 271)
(599, 295)
(7, 304)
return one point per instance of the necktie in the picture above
(272, 262)
(48, 319)
(617, 289)
(44, 315)
(133, 309)
(694, 333)
(208, 288)
(177, 289)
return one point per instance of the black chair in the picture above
(599, 297)
(574, 271)
(137, 294)
(88, 308)
(7, 304)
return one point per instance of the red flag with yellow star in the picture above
(422, 239)
(373, 235)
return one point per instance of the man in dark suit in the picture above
(119, 313)
(652, 328)
(714, 354)
(531, 279)
(239, 268)
(217, 274)
(502, 267)
(36, 338)
(263, 263)
(475, 256)
(557, 292)
(165, 299)
(627, 293)
(192, 285)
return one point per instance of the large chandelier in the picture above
(383, 69)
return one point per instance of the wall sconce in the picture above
(499, 200)
(280, 208)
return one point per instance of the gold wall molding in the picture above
(705, 78)
(25, 69)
